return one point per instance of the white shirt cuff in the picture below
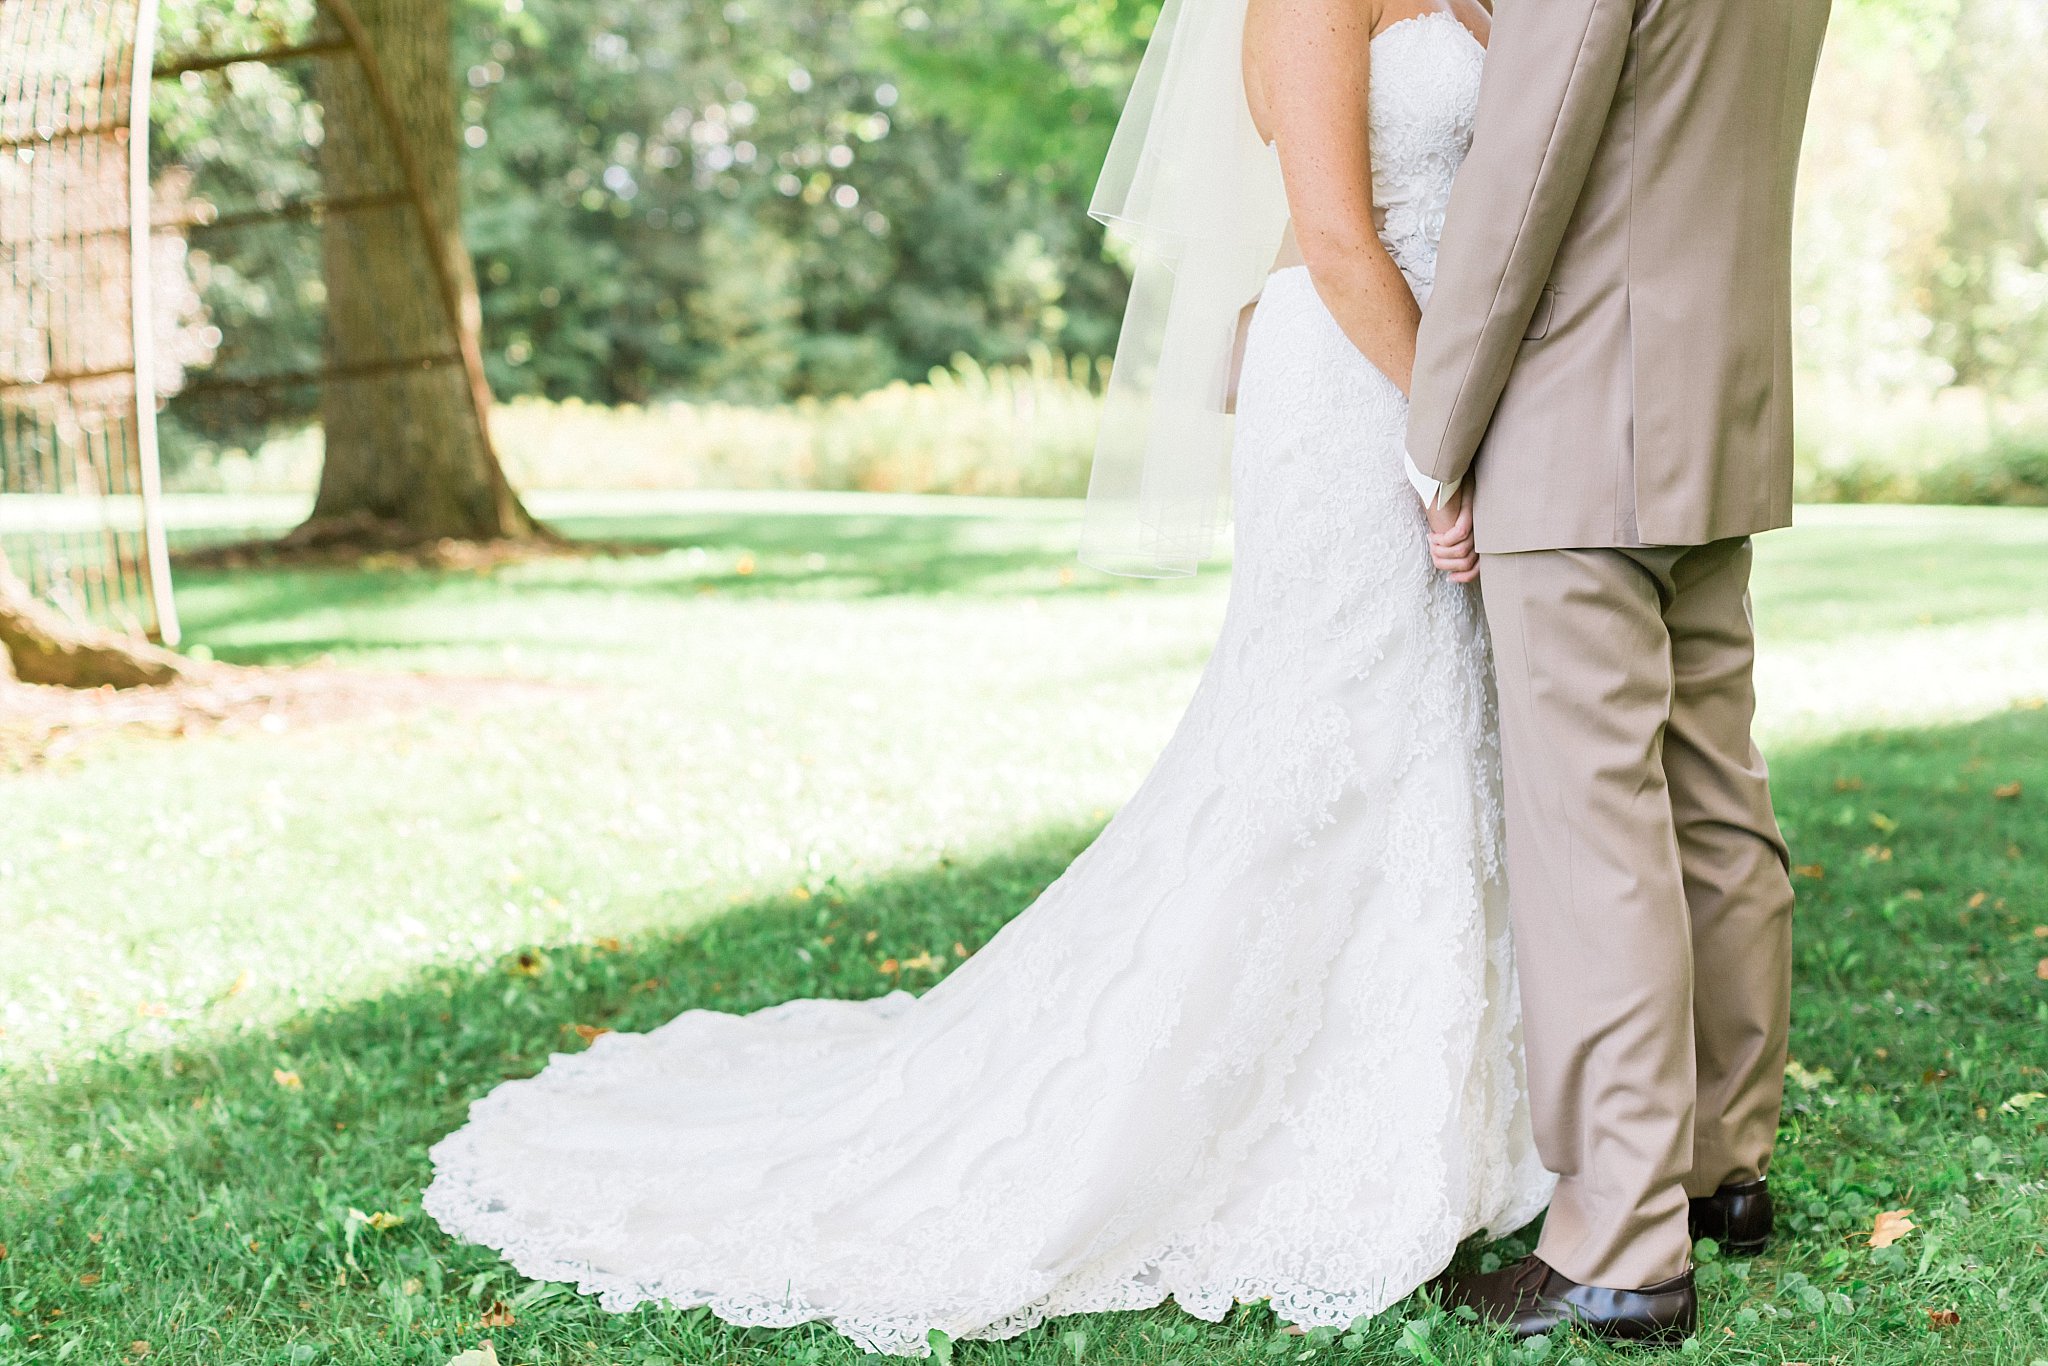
(1434, 492)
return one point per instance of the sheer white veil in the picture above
(1195, 194)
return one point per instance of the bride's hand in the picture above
(1450, 537)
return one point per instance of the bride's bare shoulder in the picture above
(1291, 31)
(1270, 19)
(1293, 46)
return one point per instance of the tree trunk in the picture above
(408, 453)
(45, 648)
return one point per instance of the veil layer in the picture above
(1192, 191)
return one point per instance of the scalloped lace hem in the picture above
(1293, 1300)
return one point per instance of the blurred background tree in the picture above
(408, 454)
(1922, 265)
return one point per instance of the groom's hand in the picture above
(1450, 537)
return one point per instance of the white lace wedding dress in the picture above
(1260, 1042)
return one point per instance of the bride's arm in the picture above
(1306, 72)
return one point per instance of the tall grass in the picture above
(1029, 431)
(1953, 445)
(1024, 430)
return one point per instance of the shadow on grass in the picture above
(200, 1200)
(211, 1185)
(253, 615)
(862, 555)
(222, 600)
(760, 555)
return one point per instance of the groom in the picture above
(1603, 395)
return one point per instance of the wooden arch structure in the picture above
(95, 284)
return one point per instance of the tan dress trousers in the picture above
(1649, 890)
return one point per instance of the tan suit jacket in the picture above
(1608, 346)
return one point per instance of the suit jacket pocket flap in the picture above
(1539, 321)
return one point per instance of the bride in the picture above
(1260, 1042)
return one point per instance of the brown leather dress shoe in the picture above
(1737, 1216)
(1532, 1297)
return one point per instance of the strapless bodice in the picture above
(1425, 95)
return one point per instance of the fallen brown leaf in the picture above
(288, 1080)
(1943, 1318)
(1890, 1226)
(138, 1349)
(1977, 900)
(498, 1316)
(2007, 793)
(2041, 969)
(89, 1278)
(1814, 871)
(589, 1032)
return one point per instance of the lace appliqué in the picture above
(1424, 97)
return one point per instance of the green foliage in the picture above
(236, 1020)
(1039, 82)
(748, 202)
(1923, 243)
(744, 201)
(234, 139)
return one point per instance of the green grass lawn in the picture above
(249, 978)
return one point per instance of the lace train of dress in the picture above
(1259, 1042)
